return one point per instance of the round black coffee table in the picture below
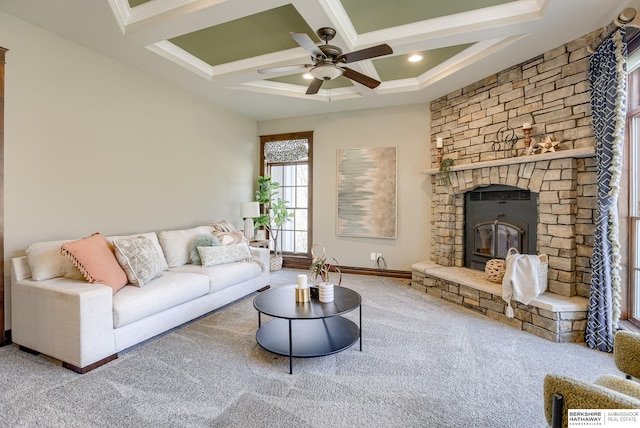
(310, 329)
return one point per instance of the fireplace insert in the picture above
(497, 218)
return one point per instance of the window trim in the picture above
(297, 260)
(628, 221)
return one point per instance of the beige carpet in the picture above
(425, 363)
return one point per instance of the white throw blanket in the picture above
(520, 281)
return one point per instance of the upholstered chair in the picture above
(562, 393)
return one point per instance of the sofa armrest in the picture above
(66, 319)
(626, 352)
(19, 269)
(579, 394)
(263, 254)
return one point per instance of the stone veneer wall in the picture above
(552, 92)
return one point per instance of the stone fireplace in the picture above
(550, 91)
(557, 180)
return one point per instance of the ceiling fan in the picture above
(328, 60)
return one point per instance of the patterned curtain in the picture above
(286, 150)
(607, 75)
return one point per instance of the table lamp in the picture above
(249, 211)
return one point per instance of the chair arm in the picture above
(626, 352)
(624, 386)
(580, 394)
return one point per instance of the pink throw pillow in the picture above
(94, 256)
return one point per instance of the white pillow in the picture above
(139, 259)
(222, 254)
(175, 243)
(46, 261)
(151, 236)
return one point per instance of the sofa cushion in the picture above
(131, 303)
(139, 259)
(151, 236)
(94, 257)
(175, 243)
(207, 240)
(222, 254)
(226, 275)
(46, 261)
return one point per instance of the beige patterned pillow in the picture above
(228, 238)
(222, 254)
(222, 226)
(139, 259)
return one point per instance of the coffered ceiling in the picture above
(216, 47)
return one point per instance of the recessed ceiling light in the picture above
(415, 58)
(307, 76)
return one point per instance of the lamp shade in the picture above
(250, 210)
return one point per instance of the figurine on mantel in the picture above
(548, 145)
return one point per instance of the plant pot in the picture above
(325, 291)
(275, 263)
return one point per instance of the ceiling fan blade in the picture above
(360, 78)
(314, 87)
(284, 68)
(367, 53)
(305, 41)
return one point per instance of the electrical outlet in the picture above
(373, 256)
(378, 255)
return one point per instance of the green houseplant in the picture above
(444, 172)
(274, 214)
(321, 269)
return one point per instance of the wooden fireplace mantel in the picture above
(584, 152)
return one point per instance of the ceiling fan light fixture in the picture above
(326, 72)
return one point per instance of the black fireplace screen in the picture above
(495, 238)
(497, 218)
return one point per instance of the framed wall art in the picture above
(367, 192)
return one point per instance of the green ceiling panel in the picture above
(134, 3)
(297, 79)
(399, 67)
(372, 15)
(258, 34)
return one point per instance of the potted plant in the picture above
(444, 173)
(321, 269)
(273, 216)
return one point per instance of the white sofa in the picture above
(56, 312)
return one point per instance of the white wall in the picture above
(92, 145)
(407, 128)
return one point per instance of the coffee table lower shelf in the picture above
(308, 337)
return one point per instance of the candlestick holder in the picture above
(439, 157)
(527, 141)
(302, 295)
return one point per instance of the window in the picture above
(631, 204)
(287, 159)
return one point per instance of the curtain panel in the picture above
(607, 75)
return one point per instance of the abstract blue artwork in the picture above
(367, 192)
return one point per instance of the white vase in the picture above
(325, 292)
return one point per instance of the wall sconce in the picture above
(439, 147)
(249, 211)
